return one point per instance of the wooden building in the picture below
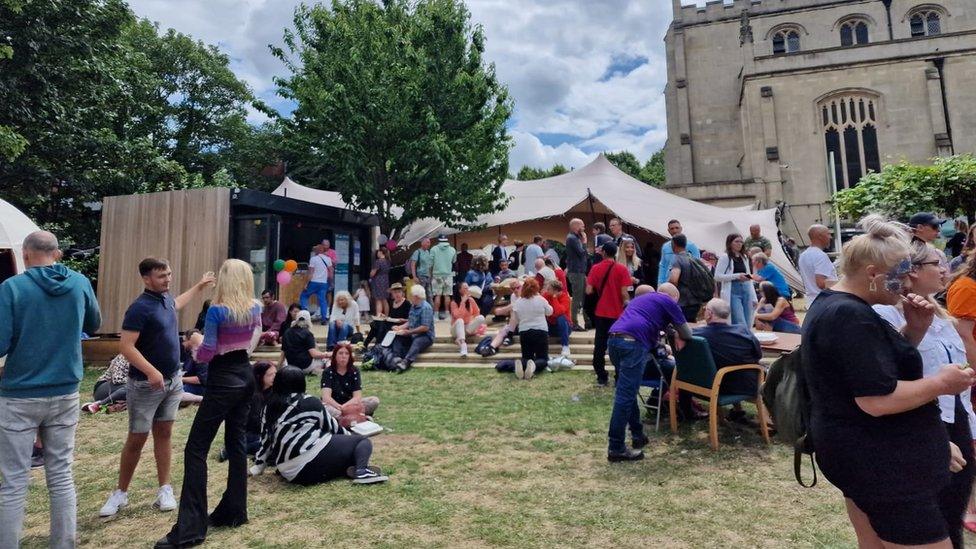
(196, 230)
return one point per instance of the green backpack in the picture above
(788, 401)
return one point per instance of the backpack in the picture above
(699, 281)
(787, 399)
(484, 347)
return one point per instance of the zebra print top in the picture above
(302, 430)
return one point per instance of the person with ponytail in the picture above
(875, 427)
(230, 334)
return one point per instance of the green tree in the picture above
(898, 191)
(652, 172)
(626, 162)
(396, 107)
(957, 185)
(528, 173)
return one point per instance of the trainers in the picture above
(464, 350)
(116, 501)
(165, 500)
(91, 408)
(566, 353)
(368, 476)
(628, 455)
(519, 369)
(529, 369)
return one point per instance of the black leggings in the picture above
(535, 345)
(377, 331)
(954, 498)
(339, 454)
(105, 392)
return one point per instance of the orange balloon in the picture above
(291, 265)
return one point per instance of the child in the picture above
(363, 299)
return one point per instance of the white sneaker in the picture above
(529, 369)
(519, 371)
(566, 352)
(464, 349)
(116, 501)
(165, 500)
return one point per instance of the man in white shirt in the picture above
(319, 268)
(816, 268)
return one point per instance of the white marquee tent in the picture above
(14, 227)
(635, 202)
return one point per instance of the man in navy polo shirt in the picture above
(151, 344)
(632, 338)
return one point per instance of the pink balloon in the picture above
(283, 278)
(391, 245)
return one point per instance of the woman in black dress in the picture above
(875, 426)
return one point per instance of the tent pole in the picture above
(589, 198)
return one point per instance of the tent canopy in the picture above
(14, 227)
(632, 200)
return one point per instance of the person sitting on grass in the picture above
(298, 347)
(559, 324)
(529, 313)
(110, 387)
(305, 443)
(194, 373)
(264, 375)
(466, 317)
(344, 320)
(342, 386)
(775, 312)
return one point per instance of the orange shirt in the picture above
(961, 299)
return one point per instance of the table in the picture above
(785, 343)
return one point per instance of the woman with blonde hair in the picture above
(344, 320)
(874, 422)
(230, 333)
(627, 256)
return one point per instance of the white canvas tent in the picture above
(14, 227)
(599, 184)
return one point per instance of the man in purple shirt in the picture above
(632, 338)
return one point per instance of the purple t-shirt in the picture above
(646, 316)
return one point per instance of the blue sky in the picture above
(586, 76)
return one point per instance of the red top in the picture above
(611, 303)
(561, 277)
(560, 306)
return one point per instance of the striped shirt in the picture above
(296, 437)
(222, 335)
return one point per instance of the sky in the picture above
(586, 76)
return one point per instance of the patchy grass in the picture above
(480, 459)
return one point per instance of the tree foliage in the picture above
(98, 103)
(396, 107)
(900, 190)
(529, 173)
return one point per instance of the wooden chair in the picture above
(697, 374)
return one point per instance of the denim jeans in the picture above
(408, 347)
(741, 303)
(21, 420)
(320, 290)
(337, 334)
(560, 328)
(629, 358)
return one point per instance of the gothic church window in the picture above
(786, 41)
(926, 22)
(854, 32)
(850, 125)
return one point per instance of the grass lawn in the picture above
(480, 459)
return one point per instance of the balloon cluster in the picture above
(285, 269)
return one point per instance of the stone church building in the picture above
(760, 91)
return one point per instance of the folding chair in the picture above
(659, 385)
(697, 374)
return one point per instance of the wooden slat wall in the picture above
(188, 228)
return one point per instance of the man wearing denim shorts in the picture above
(43, 312)
(151, 343)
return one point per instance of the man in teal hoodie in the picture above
(43, 312)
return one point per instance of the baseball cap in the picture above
(925, 218)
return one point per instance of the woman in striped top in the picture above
(305, 443)
(231, 331)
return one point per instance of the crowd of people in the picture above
(886, 342)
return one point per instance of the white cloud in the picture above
(552, 54)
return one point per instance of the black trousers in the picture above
(377, 331)
(230, 386)
(602, 326)
(339, 454)
(954, 498)
(535, 345)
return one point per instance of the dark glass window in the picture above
(846, 36)
(861, 32)
(779, 44)
(872, 160)
(918, 25)
(793, 41)
(853, 151)
(933, 24)
(832, 138)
